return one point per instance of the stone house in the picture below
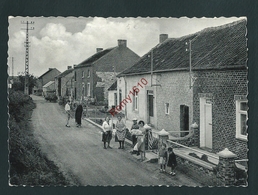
(45, 78)
(64, 83)
(96, 74)
(49, 88)
(207, 85)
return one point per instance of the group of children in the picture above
(167, 158)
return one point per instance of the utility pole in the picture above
(26, 83)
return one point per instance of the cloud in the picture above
(54, 46)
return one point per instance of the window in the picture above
(82, 74)
(115, 99)
(135, 101)
(83, 89)
(88, 73)
(75, 93)
(241, 118)
(166, 108)
(74, 75)
(88, 89)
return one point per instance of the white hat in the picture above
(135, 119)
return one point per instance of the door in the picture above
(150, 106)
(208, 125)
(184, 119)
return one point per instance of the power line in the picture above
(26, 84)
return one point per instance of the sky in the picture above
(58, 42)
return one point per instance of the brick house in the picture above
(64, 83)
(96, 74)
(45, 78)
(212, 93)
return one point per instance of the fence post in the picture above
(195, 128)
(163, 137)
(226, 167)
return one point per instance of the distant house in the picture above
(49, 88)
(112, 95)
(96, 74)
(45, 78)
(64, 83)
(213, 93)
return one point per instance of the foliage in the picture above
(19, 85)
(28, 165)
(51, 97)
(17, 100)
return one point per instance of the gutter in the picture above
(234, 67)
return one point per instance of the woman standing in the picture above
(78, 115)
(120, 132)
(141, 140)
(107, 132)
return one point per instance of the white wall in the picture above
(111, 98)
(130, 82)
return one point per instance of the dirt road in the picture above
(79, 153)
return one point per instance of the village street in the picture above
(79, 153)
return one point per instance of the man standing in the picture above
(68, 112)
(134, 126)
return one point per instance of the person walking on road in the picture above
(134, 126)
(106, 132)
(68, 112)
(120, 132)
(78, 115)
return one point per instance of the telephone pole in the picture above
(26, 83)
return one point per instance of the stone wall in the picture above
(223, 86)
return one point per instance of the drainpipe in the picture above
(125, 97)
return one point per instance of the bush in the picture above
(51, 97)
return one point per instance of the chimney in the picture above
(99, 49)
(74, 65)
(121, 43)
(163, 37)
(69, 67)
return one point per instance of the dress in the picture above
(78, 114)
(107, 132)
(162, 156)
(141, 140)
(172, 160)
(120, 130)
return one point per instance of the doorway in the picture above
(206, 123)
(150, 106)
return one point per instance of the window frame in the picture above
(83, 74)
(136, 101)
(83, 90)
(88, 74)
(88, 89)
(166, 108)
(238, 119)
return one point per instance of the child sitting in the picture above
(171, 161)
(162, 157)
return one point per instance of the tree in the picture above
(19, 85)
